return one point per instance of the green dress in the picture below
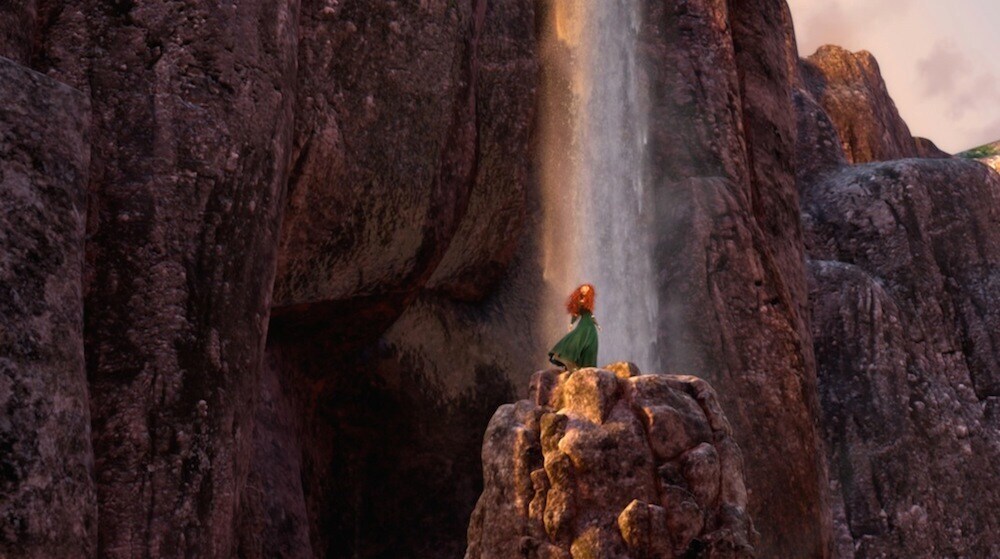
(578, 348)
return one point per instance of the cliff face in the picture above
(731, 283)
(611, 463)
(901, 278)
(905, 334)
(309, 239)
(46, 463)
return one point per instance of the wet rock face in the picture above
(726, 311)
(850, 88)
(47, 501)
(507, 76)
(599, 463)
(731, 285)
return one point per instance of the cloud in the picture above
(842, 22)
(980, 93)
(942, 70)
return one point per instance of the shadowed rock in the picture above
(47, 503)
(731, 283)
(908, 438)
(576, 472)
(191, 130)
(905, 324)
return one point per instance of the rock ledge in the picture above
(610, 463)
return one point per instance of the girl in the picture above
(578, 348)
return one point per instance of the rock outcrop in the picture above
(850, 88)
(47, 501)
(611, 463)
(929, 150)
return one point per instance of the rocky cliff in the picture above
(48, 505)
(902, 288)
(904, 326)
(611, 463)
(270, 268)
(732, 287)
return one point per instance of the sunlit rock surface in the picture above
(610, 463)
(849, 85)
(988, 155)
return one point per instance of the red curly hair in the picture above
(580, 301)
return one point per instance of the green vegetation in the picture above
(987, 150)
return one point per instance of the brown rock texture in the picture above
(929, 150)
(383, 161)
(599, 463)
(903, 290)
(488, 236)
(47, 503)
(17, 26)
(731, 284)
(926, 229)
(908, 437)
(192, 123)
(390, 385)
(850, 88)
(17, 30)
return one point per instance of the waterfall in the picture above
(606, 221)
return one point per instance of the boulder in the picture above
(576, 472)
(48, 506)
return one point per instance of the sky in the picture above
(940, 59)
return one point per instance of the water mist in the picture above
(594, 131)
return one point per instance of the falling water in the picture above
(609, 220)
